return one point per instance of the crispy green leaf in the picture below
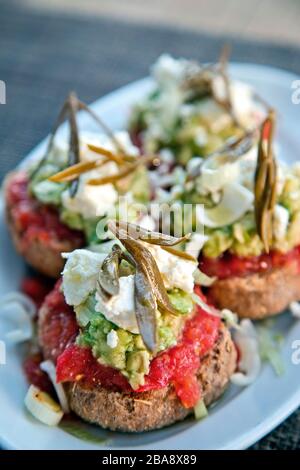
(156, 238)
(265, 183)
(180, 254)
(109, 272)
(147, 264)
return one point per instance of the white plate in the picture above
(242, 416)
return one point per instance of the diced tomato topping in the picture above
(178, 365)
(35, 220)
(230, 265)
(35, 375)
(59, 328)
(77, 363)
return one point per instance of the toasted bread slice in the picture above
(258, 296)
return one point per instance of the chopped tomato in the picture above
(229, 265)
(35, 220)
(77, 363)
(59, 328)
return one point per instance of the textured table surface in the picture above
(43, 56)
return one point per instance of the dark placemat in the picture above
(43, 56)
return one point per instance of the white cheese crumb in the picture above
(175, 271)
(295, 309)
(112, 339)
(281, 221)
(80, 274)
(93, 201)
(120, 308)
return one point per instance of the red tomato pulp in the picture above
(230, 265)
(35, 220)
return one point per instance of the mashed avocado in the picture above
(129, 355)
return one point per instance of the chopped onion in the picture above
(217, 171)
(203, 279)
(295, 309)
(230, 318)
(18, 310)
(43, 407)
(204, 306)
(22, 299)
(236, 201)
(195, 244)
(249, 364)
(269, 348)
(49, 368)
(200, 410)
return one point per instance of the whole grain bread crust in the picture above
(137, 412)
(258, 296)
(44, 257)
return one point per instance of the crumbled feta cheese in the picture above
(280, 178)
(168, 70)
(295, 309)
(120, 308)
(167, 156)
(80, 275)
(92, 201)
(112, 339)
(281, 221)
(216, 197)
(193, 163)
(187, 110)
(175, 271)
(245, 109)
(201, 136)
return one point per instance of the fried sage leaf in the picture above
(119, 159)
(126, 170)
(74, 151)
(156, 238)
(179, 254)
(109, 272)
(145, 308)
(146, 263)
(265, 183)
(101, 292)
(73, 172)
